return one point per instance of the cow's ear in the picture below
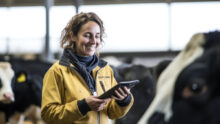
(21, 77)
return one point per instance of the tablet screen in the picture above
(110, 92)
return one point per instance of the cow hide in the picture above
(187, 91)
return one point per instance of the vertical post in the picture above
(169, 26)
(77, 5)
(47, 53)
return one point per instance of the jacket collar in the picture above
(65, 61)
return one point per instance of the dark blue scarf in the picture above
(90, 62)
(84, 65)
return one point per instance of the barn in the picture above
(171, 50)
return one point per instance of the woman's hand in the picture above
(95, 103)
(121, 93)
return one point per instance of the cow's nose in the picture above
(8, 97)
(157, 118)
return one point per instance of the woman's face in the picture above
(88, 39)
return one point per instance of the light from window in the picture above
(190, 18)
(133, 27)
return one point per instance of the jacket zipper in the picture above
(98, 114)
(95, 93)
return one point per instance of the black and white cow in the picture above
(159, 68)
(188, 89)
(27, 90)
(143, 92)
(126, 71)
(6, 75)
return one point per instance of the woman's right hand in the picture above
(95, 103)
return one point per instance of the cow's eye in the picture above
(196, 87)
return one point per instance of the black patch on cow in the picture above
(212, 40)
(202, 79)
(0, 83)
(196, 98)
(29, 91)
(143, 92)
(157, 118)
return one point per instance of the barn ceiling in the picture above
(8, 3)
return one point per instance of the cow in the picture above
(143, 92)
(187, 91)
(159, 68)
(125, 71)
(6, 75)
(26, 85)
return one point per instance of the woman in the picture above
(72, 85)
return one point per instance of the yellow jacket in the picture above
(63, 87)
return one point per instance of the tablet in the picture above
(110, 92)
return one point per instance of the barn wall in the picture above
(148, 59)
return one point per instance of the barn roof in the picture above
(8, 3)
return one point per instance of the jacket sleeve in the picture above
(116, 110)
(53, 109)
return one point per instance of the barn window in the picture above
(129, 27)
(133, 27)
(190, 18)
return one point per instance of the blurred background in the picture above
(135, 29)
(138, 32)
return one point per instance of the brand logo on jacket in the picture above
(101, 77)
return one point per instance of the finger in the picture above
(114, 97)
(127, 90)
(95, 99)
(122, 92)
(94, 103)
(103, 104)
(99, 101)
(106, 100)
(118, 96)
(101, 107)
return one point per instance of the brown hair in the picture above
(74, 26)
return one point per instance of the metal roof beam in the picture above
(9, 3)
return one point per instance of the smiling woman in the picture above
(72, 85)
(83, 36)
(88, 39)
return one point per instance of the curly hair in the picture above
(74, 26)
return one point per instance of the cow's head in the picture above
(188, 89)
(146, 86)
(6, 75)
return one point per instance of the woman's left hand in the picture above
(121, 93)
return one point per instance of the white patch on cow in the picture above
(6, 75)
(33, 113)
(165, 86)
(113, 61)
(17, 118)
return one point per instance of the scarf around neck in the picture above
(84, 65)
